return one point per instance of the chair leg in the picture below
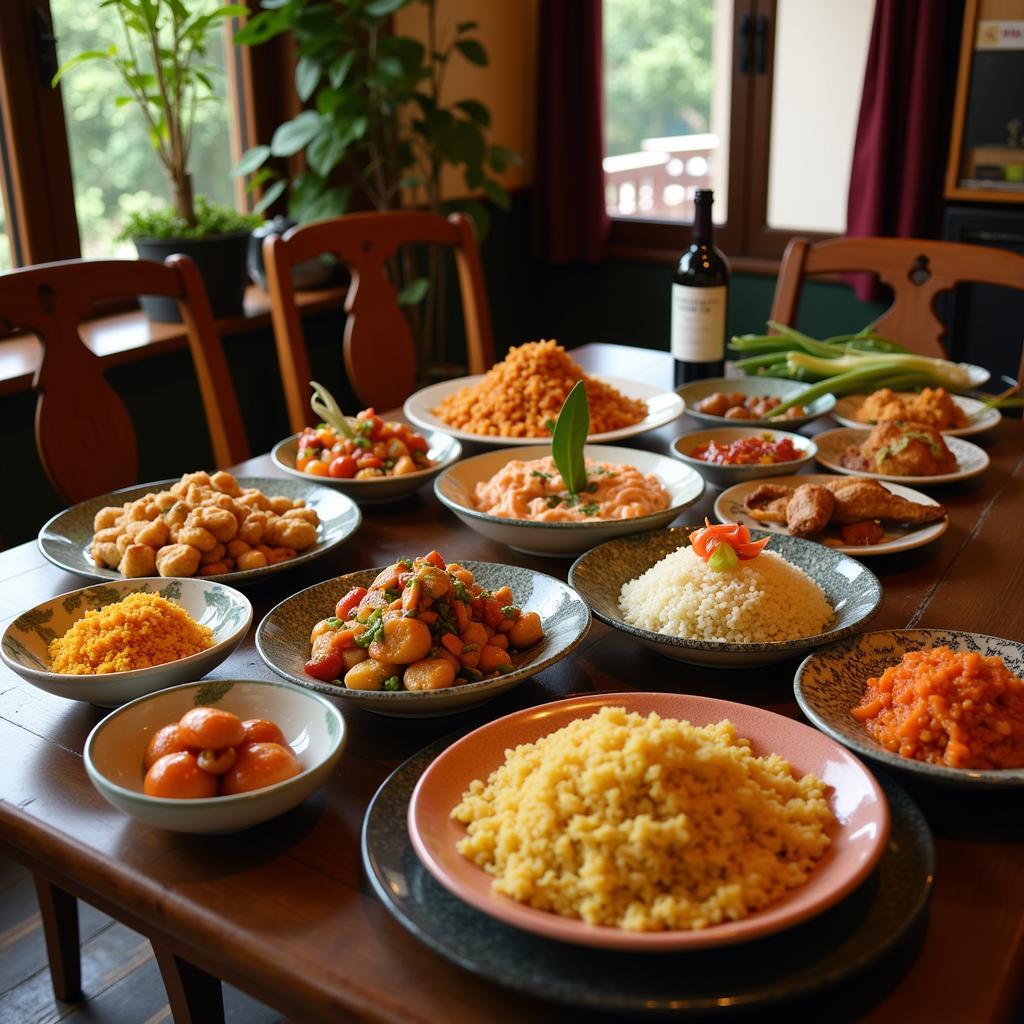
(195, 997)
(59, 911)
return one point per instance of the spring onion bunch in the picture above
(326, 407)
(842, 364)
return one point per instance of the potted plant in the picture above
(166, 75)
(378, 125)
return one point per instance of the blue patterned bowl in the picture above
(26, 641)
(853, 591)
(830, 682)
(283, 639)
(114, 751)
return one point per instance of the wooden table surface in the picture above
(285, 911)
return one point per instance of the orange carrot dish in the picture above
(421, 625)
(954, 708)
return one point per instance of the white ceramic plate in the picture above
(455, 487)
(729, 508)
(971, 460)
(662, 407)
(66, 538)
(981, 418)
(444, 450)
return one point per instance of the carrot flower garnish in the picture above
(724, 545)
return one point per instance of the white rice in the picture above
(764, 600)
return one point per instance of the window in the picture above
(114, 168)
(756, 99)
(76, 164)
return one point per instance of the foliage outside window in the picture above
(117, 173)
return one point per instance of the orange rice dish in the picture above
(955, 708)
(522, 396)
(140, 631)
(535, 490)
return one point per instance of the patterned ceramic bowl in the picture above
(852, 590)
(444, 450)
(283, 639)
(830, 682)
(693, 394)
(726, 476)
(455, 489)
(26, 640)
(313, 727)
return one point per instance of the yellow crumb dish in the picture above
(645, 823)
(535, 490)
(140, 631)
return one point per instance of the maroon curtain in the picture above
(899, 158)
(572, 223)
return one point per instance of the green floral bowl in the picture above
(312, 726)
(25, 644)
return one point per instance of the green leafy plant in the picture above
(163, 65)
(376, 113)
(211, 219)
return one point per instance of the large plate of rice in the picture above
(648, 822)
(795, 596)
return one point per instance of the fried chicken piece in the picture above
(857, 499)
(862, 535)
(933, 406)
(901, 448)
(767, 503)
(809, 510)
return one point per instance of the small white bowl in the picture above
(444, 450)
(726, 476)
(455, 488)
(313, 727)
(25, 644)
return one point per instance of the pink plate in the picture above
(855, 798)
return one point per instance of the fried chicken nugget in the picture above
(107, 517)
(105, 554)
(291, 533)
(177, 560)
(219, 521)
(138, 560)
(225, 483)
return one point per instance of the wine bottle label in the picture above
(698, 323)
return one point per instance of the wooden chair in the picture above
(917, 270)
(84, 434)
(380, 355)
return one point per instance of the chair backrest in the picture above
(380, 355)
(85, 437)
(916, 270)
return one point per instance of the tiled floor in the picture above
(120, 978)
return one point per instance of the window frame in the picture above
(36, 175)
(750, 244)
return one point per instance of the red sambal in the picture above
(748, 451)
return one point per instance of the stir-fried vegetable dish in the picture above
(421, 625)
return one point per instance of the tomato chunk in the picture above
(349, 601)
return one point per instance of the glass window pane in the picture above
(667, 78)
(821, 49)
(114, 167)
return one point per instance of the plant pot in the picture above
(220, 260)
(314, 273)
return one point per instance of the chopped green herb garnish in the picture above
(392, 683)
(541, 476)
(407, 562)
(362, 442)
(591, 487)
(335, 623)
(470, 648)
(461, 590)
(554, 501)
(374, 629)
(392, 594)
(510, 611)
(590, 509)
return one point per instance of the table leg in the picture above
(195, 997)
(59, 911)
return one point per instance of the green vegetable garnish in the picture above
(334, 623)
(590, 509)
(392, 683)
(374, 629)
(324, 405)
(540, 475)
(569, 437)
(510, 611)
(723, 558)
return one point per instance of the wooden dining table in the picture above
(285, 911)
